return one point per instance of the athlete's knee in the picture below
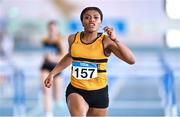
(78, 111)
(97, 112)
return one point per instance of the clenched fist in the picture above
(48, 81)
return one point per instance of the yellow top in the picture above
(89, 64)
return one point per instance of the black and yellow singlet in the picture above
(89, 64)
(51, 47)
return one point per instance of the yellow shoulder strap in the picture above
(77, 37)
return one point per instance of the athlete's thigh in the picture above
(44, 74)
(77, 105)
(57, 88)
(97, 111)
(57, 84)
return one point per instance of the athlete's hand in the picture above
(48, 81)
(111, 33)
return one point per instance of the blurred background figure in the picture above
(53, 48)
(6, 47)
(6, 51)
(13, 74)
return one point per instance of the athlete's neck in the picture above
(89, 36)
(53, 36)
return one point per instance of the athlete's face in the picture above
(53, 29)
(91, 21)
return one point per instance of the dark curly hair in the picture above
(91, 8)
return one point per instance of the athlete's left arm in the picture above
(117, 47)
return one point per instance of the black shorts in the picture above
(49, 66)
(96, 98)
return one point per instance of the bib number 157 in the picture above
(81, 72)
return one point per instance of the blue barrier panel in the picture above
(19, 108)
(169, 89)
(19, 87)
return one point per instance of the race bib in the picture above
(84, 70)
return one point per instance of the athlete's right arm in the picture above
(63, 63)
